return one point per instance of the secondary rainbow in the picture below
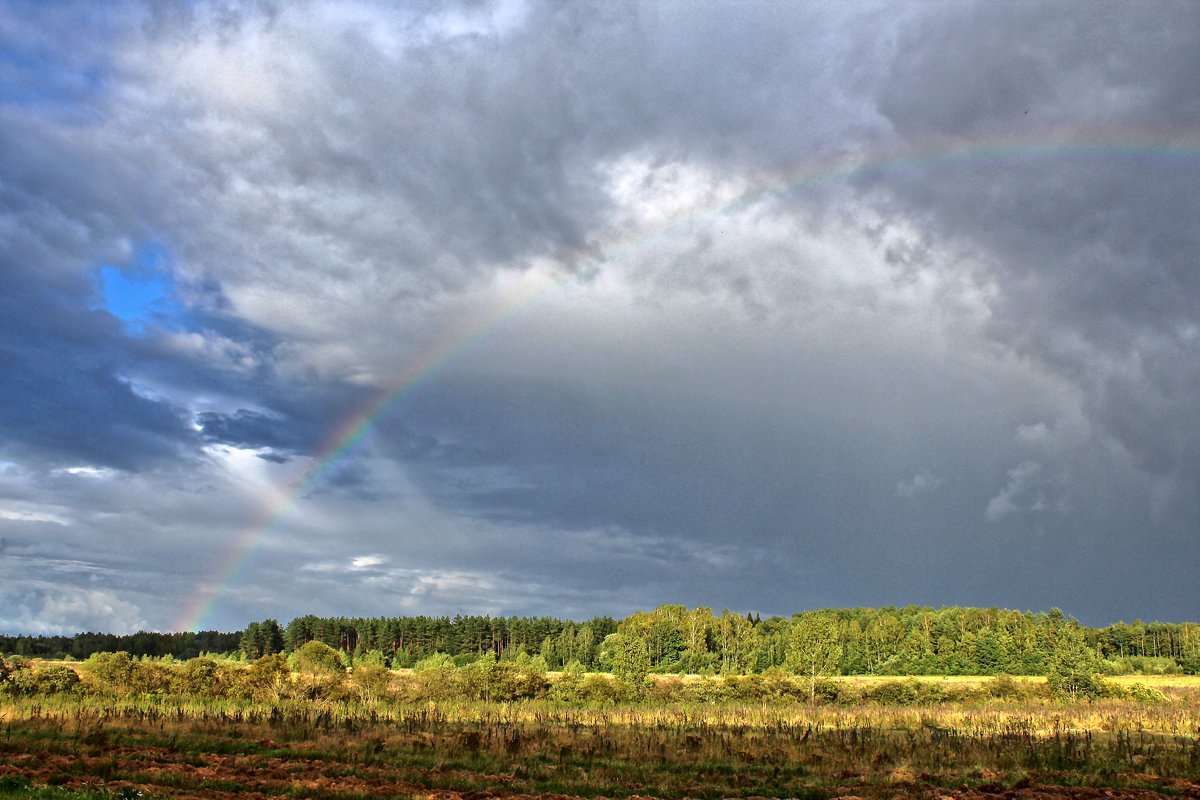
(350, 432)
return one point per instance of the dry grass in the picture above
(116, 745)
(244, 749)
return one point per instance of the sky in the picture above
(354, 308)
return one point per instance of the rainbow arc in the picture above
(349, 433)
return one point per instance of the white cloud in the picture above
(366, 562)
(52, 609)
(662, 258)
(1023, 492)
(918, 484)
(27, 515)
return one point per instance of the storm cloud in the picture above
(524, 307)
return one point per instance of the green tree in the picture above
(630, 657)
(813, 648)
(736, 639)
(1073, 668)
(318, 658)
(261, 639)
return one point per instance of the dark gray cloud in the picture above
(249, 429)
(651, 335)
(1086, 216)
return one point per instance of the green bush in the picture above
(748, 687)
(319, 659)
(573, 667)
(19, 679)
(269, 677)
(435, 661)
(374, 657)
(437, 683)
(321, 671)
(566, 688)
(370, 681)
(489, 680)
(592, 689)
(147, 677)
(894, 693)
(1005, 687)
(665, 690)
(780, 685)
(834, 692)
(909, 693)
(1077, 684)
(201, 676)
(707, 691)
(112, 671)
(56, 679)
(1142, 694)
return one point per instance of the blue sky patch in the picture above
(142, 293)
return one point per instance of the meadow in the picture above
(865, 737)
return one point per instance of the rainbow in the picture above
(350, 433)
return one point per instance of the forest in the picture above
(913, 640)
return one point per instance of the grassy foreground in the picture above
(125, 747)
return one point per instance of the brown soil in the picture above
(161, 772)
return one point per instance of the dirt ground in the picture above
(162, 772)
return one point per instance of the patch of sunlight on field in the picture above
(1158, 681)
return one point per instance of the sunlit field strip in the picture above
(1178, 717)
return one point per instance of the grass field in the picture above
(114, 747)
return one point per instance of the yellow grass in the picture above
(1159, 681)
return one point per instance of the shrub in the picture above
(268, 677)
(201, 676)
(782, 686)
(1005, 687)
(375, 657)
(489, 680)
(319, 659)
(894, 693)
(665, 690)
(748, 687)
(1143, 694)
(707, 691)
(16, 677)
(573, 667)
(907, 693)
(829, 692)
(370, 681)
(528, 663)
(437, 682)
(113, 671)
(56, 679)
(596, 689)
(147, 677)
(1077, 684)
(321, 670)
(435, 661)
(566, 688)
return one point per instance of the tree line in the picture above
(913, 640)
(143, 643)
